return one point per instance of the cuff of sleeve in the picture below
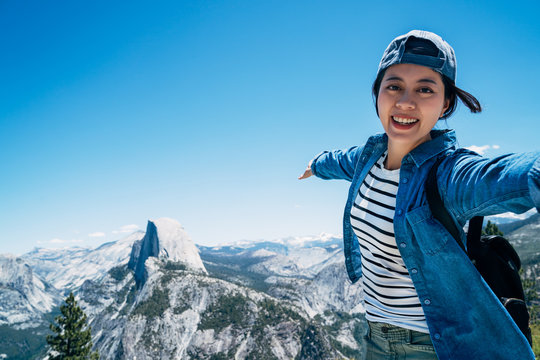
(314, 162)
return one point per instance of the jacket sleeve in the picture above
(337, 164)
(473, 185)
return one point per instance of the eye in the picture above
(393, 87)
(425, 90)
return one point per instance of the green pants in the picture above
(389, 342)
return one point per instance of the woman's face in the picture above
(411, 100)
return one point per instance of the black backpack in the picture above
(492, 255)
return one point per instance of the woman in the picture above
(423, 297)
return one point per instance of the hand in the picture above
(306, 173)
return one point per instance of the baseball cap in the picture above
(421, 48)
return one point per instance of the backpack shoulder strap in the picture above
(475, 229)
(440, 213)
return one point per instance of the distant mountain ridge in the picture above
(69, 268)
(507, 228)
(526, 240)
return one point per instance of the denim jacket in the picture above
(464, 317)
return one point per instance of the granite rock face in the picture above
(164, 239)
(179, 313)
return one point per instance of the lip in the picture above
(404, 126)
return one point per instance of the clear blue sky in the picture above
(113, 113)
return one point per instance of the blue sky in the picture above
(113, 113)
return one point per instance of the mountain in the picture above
(508, 228)
(293, 256)
(525, 239)
(181, 314)
(35, 284)
(308, 271)
(67, 269)
(24, 296)
(166, 239)
(27, 303)
(510, 219)
(260, 300)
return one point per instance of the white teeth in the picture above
(404, 120)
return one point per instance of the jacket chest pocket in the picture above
(431, 236)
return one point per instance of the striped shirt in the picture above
(389, 293)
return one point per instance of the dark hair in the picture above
(451, 93)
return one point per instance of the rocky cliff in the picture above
(164, 239)
(24, 296)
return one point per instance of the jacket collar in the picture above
(441, 141)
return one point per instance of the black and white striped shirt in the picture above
(389, 293)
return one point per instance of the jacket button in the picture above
(414, 271)
(427, 302)
(405, 180)
(437, 336)
(399, 212)
(403, 245)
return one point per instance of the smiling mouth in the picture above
(404, 121)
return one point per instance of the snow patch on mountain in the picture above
(263, 253)
(289, 242)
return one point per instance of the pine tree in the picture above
(491, 229)
(72, 339)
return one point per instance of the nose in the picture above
(406, 101)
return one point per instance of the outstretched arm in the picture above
(337, 164)
(481, 186)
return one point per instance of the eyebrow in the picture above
(392, 78)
